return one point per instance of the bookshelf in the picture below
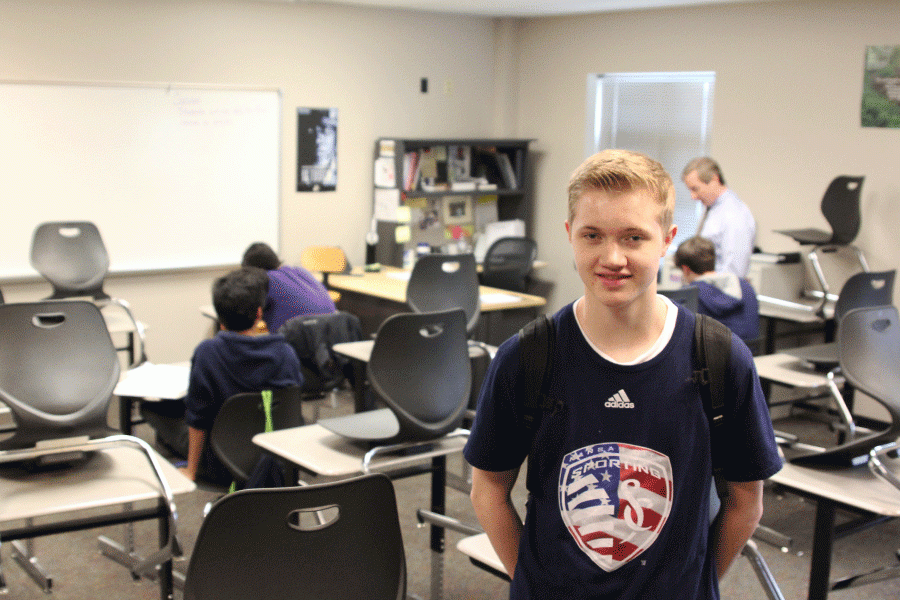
(442, 192)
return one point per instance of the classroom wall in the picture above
(785, 121)
(366, 62)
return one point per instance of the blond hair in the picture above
(624, 171)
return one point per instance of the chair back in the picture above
(420, 368)
(689, 296)
(325, 260)
(72, 257)
(312, 337)
(241, 417)
(58, 369)
(440, 282)
(869, 354)
(867, 288)
(508, 263)
(339, 540)
(840, 207)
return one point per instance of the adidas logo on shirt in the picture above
(619, 400)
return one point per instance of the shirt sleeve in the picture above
(752, 453)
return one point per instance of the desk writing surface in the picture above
(857, 487)
(325, 453)
(800, 310)
(111, 477)
(149, 380)
(479, 547)
(389, 285)
(362, 349)
(791, 371)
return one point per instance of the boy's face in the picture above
(617, 241)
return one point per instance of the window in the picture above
(664, 115)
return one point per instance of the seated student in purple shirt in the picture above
(292, 290)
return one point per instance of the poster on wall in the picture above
(316, 149)
(881, 87)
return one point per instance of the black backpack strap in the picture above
(536, 349)
(712, 358)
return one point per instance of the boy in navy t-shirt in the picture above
(620, 477)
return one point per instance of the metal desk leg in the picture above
(823, 542)
(126, 404)
(438, 534)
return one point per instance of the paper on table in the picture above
(399, 275)
(499, 298)
(168, 382)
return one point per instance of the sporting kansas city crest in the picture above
(615, 499)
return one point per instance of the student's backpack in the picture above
(711, 358)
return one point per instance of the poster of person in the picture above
(316, 149)
(881, 87)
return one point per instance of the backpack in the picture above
(711, 358)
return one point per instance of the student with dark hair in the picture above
(292, 290)
(242, 357)
(723, 296)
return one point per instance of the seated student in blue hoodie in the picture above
(242, 357)
(723, 296)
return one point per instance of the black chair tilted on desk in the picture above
(840, 207)
(72, 257)
(443, 282)
(869, 355)
(58, 369)
(508, 264)
(338, 540)
(419, 368)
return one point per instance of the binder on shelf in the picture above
(506, 170)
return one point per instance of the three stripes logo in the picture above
(619, 400)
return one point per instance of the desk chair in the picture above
(338, 540)
(508, 264)
(71, 256)
(869, 353)
(441, 282)
(866, 289)
(689, 296)
(325, 260)
(419, 368)
(840, 207)
(58, 369)
(244, 415)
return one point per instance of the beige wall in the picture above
(365, 62)
(785, 120)
(786, 116)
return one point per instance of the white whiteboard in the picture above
(173, 176)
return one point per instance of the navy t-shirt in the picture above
(619, 488)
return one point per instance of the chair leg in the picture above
(770, 586)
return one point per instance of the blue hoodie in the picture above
(740, 314)
(231, 363)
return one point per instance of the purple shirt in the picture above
(294, 291)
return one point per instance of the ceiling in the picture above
(525, 8)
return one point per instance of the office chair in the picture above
(441, 282)
(325, 260)
(869, 354)
(508, 263)
(339, 540)
(58, 369)
(312, 337)
(420, 368)
(72, 257)
(687, 296)
(840, 207)
(244, 415)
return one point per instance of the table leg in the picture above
(165, 569)
(438, 499)
(823, 542)
(125, 406)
